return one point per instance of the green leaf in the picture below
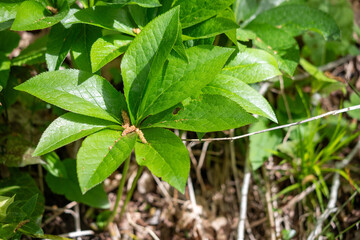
(315, 72)
(262, 144)
(4, 70)
(146, 55)
(8, 9)
(108, 17)
(296, 19)
(221, 23)
(279, 43)
(182, 79)
(33, 54)
(206, 113)
(58, 44)
(244, 9)
(165, 155)
(8, 41)
(241, 93)
(100, 155)
(107, 48)
(81, 48)
(142, 3)
(54, 166)
(66, 129)
(196, 11)
(252, 65)
(4, 204)
(69, 186)
(354, 100)
(33, 15)
(78, 92)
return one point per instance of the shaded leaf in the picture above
(206, 113)
(8, 9)
(78, 92)
(8, 41)
(165, 155)
(69, 186)
(33, 54)
(66, 129)
(58, 45)
(142, 3)
(81, 47)
(4, 70)
(107, 48)
(100, 155)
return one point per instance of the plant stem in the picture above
(131, 191)
(120, 190)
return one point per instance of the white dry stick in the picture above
(243, 204)
(78, 234)
(77, 220)
(333, 194)
(335, 112)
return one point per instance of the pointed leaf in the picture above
(241, 93)
(206, 113)
(107, 48)
(8, 10)
(296, 18)
(66, 129)
(196, 11)
(69, 186)
(108, 17)
(78, 92)
(81, 48)
(146, 55)
(33, 15)
(182, 79)
(58, 44)
(165, 155)
(252, 65)
(100, 155)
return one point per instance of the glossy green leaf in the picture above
(182, 79)
(221, 23)
(142, 3)
(8, 9)
(196, 11)
(81, 48)
(4, 70)
(58, 45)
(8, 41)
(78, 92)
(241, 93)
(108, 17)
(33, 15)
(165, 155)
(146, 55)
(69, 186)
(279, 43)
(107, 48)
(33, 54)
(206, 113)
(243, 9)
(100, 155)
(295, 19)
(66, 129)
(252, 65)
(261, 145)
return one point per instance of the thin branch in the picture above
(335, 112)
